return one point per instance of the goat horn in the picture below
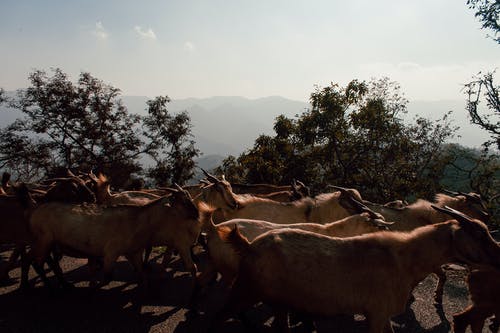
(451, 192)
(337, 187)
(452, 212)
(470, 197)
(363, 208)
(210, 177)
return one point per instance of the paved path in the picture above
(119, 307)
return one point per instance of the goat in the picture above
(15, 225)
(421, 213)
(224, 260)
(298, 191)
(105, 197)
(371, 274)
(217, 193)
(484, 289)
(108, 232)
(214, 192)
(323, 208)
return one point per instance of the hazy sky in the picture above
(247, 48)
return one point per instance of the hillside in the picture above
(226, 125)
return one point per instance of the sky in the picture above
(252, 48)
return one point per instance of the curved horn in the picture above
(337, 187)
(450, 192)
(364, 209)
(470, 197)
(452, 212)
(210, 177)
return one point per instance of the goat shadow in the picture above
(103, 310)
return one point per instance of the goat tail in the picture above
(238, 242)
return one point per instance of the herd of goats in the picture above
(333, 253)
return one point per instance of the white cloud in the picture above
(99, 31)
(146, 34)
(189, 46)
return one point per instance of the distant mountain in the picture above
(225, 125)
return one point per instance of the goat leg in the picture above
(136, 260)
(438, 293)
(56, 268)
(280, 322)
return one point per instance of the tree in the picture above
(78, 126)
(170, 143)
(484, 87)
(488, 13)
(353, 136)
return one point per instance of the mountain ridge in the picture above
(229, 125)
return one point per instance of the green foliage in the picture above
(170, 143)
(84, 126)
(474, 170)
(351, 136)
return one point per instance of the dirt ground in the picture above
(123, 307)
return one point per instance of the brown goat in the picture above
(420, 213)
(323, 208)
(14, 227)
(105, 197)
(225, 260)
(372, 274)
(108, 232)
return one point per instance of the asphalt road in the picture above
(123, 307)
